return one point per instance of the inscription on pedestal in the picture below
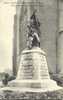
(27, 69)
(33, 66)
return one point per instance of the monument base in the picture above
(33, 73)
(47, 85)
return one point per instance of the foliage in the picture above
(7, 78)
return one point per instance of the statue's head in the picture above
(34, 20)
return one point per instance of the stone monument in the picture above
(33, 72)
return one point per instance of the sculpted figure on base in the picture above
(33, 36)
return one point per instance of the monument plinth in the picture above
(33, 72)
(33, 65)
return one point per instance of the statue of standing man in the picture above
(33, 36)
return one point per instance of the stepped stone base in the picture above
(41, 86)
(33, 73)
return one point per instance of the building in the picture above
(50, 14)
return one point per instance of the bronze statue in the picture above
(33, 36)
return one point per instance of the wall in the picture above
(60, 40)
(47, 14)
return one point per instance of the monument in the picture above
(33, 72)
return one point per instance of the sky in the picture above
(7, 12)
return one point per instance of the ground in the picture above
(8, 95)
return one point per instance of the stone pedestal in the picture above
(33, 73)
(33, 65)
